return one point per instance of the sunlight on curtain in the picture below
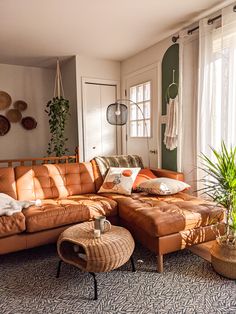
(217, 84)
(187, 155)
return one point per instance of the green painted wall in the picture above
(170, 62)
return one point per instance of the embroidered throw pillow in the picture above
(119, 180)
(143, 176)
(163, 186)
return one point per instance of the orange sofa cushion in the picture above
(7, 182)
(168, 174)
(163, 215)
(10, 225)
(98, 179)
(54, 181)
(143, 175)
(54, 213)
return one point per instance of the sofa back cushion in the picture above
(54, 181)
(7, 182)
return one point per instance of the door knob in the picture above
(153, 151)
(94, 147)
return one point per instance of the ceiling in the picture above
(32, 32)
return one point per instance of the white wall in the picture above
(151, 55)
(68, 71)
(87, 67)
(35, 86)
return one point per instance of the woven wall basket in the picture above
(14, 115)
(5, 100)
(20, 105)
(4, 125)
(29, 123)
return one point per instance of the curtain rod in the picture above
(209, 22)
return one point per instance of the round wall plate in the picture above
(14, 115)
(5, 100)
(4, 125)
(29, 123)
(20, 105)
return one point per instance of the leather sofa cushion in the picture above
(54, 213)
(98, 179)
(168, 174)
(10, 225)
(7, 182)
(163, 215)
(54, 181)
(143, 176)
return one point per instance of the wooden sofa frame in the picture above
(40, 161)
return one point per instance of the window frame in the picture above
(144, 119)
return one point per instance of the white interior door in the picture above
(142, 88)
(100, 138)
(108, 131)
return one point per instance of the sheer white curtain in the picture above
(217, 84)
(187, 147)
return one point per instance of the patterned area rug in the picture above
(188, 285)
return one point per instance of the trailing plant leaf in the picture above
(58, 113)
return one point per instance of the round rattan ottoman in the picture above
(113, 249)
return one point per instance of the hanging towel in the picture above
(171, 131)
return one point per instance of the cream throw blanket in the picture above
(10, 206)
(171, 131)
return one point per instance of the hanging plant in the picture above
(58, 113)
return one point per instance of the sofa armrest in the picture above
(168, 174)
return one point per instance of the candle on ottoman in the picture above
(97, 233)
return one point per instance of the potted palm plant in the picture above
(220, 185)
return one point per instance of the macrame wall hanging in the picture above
(58, 86)
(58, 113)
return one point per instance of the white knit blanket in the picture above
(10, 206)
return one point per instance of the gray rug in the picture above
(188, 285)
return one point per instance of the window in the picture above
(140, 117)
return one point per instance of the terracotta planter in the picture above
(223, 259)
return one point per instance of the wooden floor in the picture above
(203, 250)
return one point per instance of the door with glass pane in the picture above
(143, 127)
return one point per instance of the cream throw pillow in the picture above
(162, 186)
(119, 180)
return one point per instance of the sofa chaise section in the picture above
(163, 215)
(166, 224)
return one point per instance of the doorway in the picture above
(143, 130)
(99, 137)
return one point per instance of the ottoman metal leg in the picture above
(94, 279)
(132, 264)
(95, 286)
(59, 268)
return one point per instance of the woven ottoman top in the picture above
(108, 252)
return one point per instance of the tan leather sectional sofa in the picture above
(69, 195)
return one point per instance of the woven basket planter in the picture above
(113, 249)
(223, 259)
